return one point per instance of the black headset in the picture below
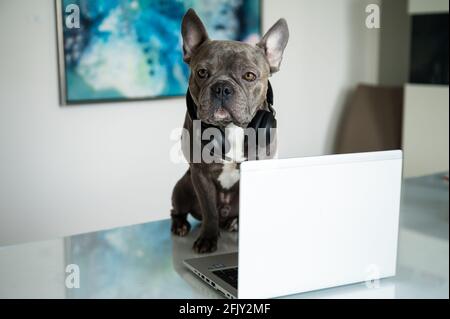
(263, 122)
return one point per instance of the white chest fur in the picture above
(229, 176)
(230, 173)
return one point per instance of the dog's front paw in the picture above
(180, 227)
(205, 244)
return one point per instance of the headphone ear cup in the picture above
(271, 123)
(269, 94)
(191, 107)
(268, 122)
(256, 121)
(264, 120)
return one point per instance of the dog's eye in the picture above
(202, 73)
(249, 76)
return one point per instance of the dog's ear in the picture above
(194, 34)
(274, 42)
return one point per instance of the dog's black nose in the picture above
(222, 90)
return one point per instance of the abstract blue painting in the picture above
(131, 49)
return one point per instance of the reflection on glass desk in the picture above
(145, 261)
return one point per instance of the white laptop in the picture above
(311, 223)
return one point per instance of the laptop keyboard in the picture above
(229, 275)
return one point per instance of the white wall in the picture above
(330, 50)
(67, 170)
(425, 129)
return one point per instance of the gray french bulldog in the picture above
(229, 82)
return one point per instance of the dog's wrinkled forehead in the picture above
(196, 39)
(231, 55)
